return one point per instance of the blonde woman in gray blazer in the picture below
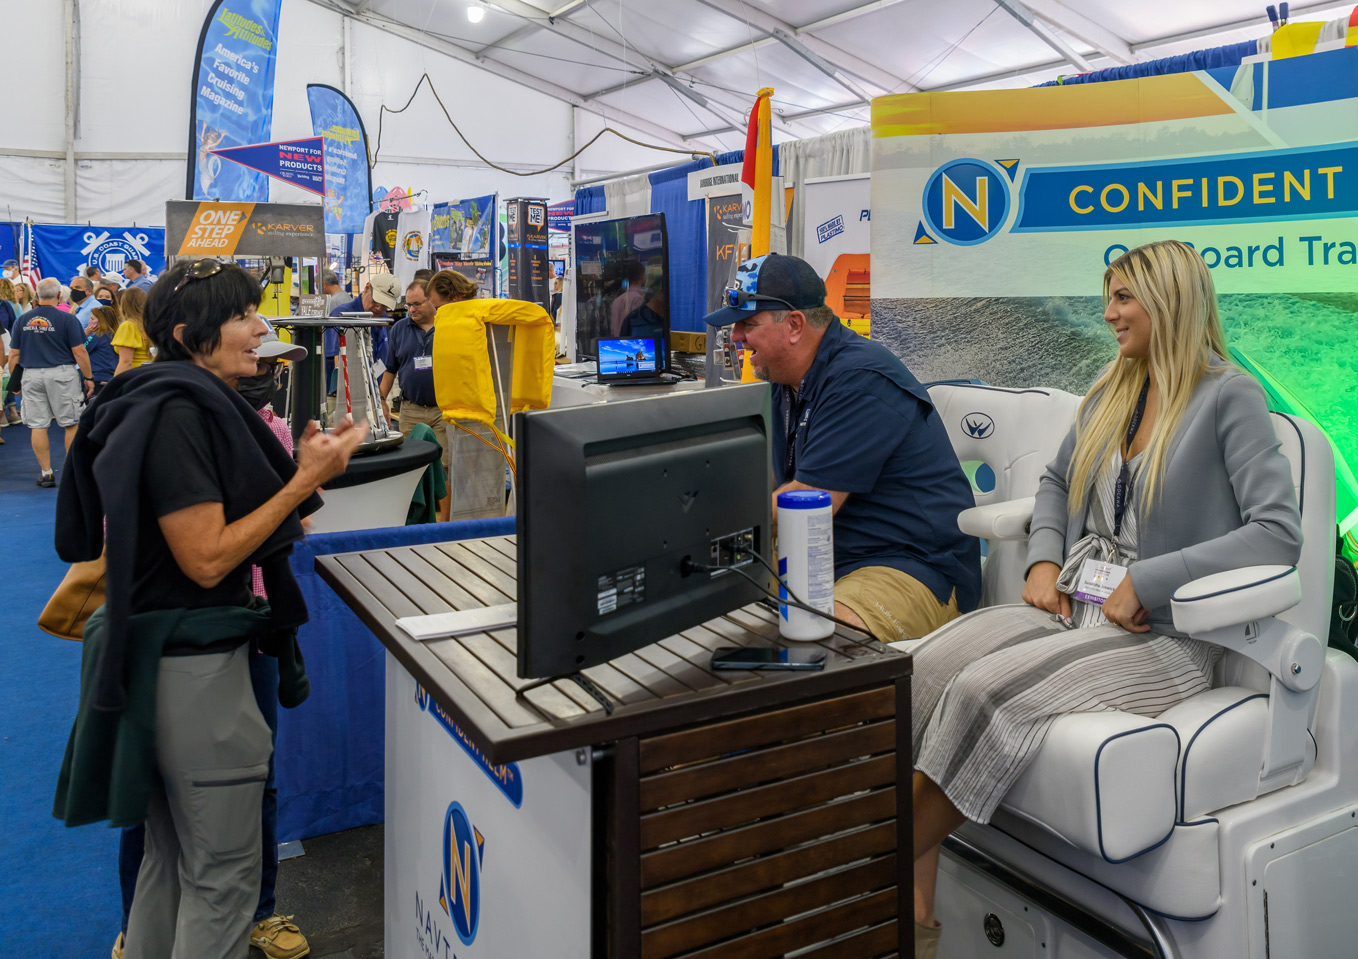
(1171, 472)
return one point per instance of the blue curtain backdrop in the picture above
(1227, 56)
(330, 757)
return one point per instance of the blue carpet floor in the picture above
(58, 886)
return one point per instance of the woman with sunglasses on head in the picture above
(1171, 472)
(196, 489)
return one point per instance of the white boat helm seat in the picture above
(1142, 807)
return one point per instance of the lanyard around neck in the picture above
(1122, 493)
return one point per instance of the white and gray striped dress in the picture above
(988, 686)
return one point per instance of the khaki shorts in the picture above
(893, 604)
(431, 416)
(52, 393)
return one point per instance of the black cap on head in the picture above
(770, 282)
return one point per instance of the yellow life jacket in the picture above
(463, 383)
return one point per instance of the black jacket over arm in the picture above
(104, 465)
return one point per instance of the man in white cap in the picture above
(380, 294)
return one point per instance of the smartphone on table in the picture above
(768, 657)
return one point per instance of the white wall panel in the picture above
(125, 192)
(459, 183)
(35, 75)
(32, 188)
(136, 69)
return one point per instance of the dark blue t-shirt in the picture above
(862, 424)
(406, 343)
(45, 336)
(103, 357)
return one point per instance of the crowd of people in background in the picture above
(80, 334)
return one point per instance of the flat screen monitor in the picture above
(622, 284)
(558, 267)
(613, 498)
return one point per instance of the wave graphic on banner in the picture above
(347, 183)
(233, 81)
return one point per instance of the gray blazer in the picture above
(1227, 498)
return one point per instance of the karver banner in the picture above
(466, 227)
(233, 80)
(995, 214)
(728, 242)
(243, 229)
(529, 272)
(65, 251)
(838, 243)
(299, 162)
(347, 183)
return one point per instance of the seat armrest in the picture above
(1234, 596)
(1007, 520)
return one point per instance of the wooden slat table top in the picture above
(656, 688)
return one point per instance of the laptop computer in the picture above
(632, 362)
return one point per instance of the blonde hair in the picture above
(6, 290)
(1172, 283)
(131, 303)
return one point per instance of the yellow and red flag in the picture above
(758, 170)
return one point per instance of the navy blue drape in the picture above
(330, 755)
(1227, 56)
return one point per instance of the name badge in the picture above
(1098, 579)
(424, 362)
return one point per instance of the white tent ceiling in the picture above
(690, 67)
(103, 139)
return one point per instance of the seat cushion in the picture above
(1104, 782)
(1223, 732)
(1180, 879)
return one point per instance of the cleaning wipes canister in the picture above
(806, 563)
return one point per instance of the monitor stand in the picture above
(581, 680)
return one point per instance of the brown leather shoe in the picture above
(926, 941)
(278, 938)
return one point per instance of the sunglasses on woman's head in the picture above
(200, 270)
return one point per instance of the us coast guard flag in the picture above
(347, 183)
(233, 80)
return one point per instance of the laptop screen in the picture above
(619, 358)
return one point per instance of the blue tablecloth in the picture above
(330, 753)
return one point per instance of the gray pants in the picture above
(199, 880)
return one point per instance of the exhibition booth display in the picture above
(375, 491)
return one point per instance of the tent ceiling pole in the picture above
(506, 72)
(757, 18)
(1083, 29)
(628, 56)
(1025, 16)
(820, 63)
(72, 19)
(523, 31)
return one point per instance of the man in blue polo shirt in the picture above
(851, 420)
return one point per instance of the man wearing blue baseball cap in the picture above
(851, 420)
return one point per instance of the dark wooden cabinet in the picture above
(735, 814)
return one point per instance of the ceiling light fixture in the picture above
(476, 13)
